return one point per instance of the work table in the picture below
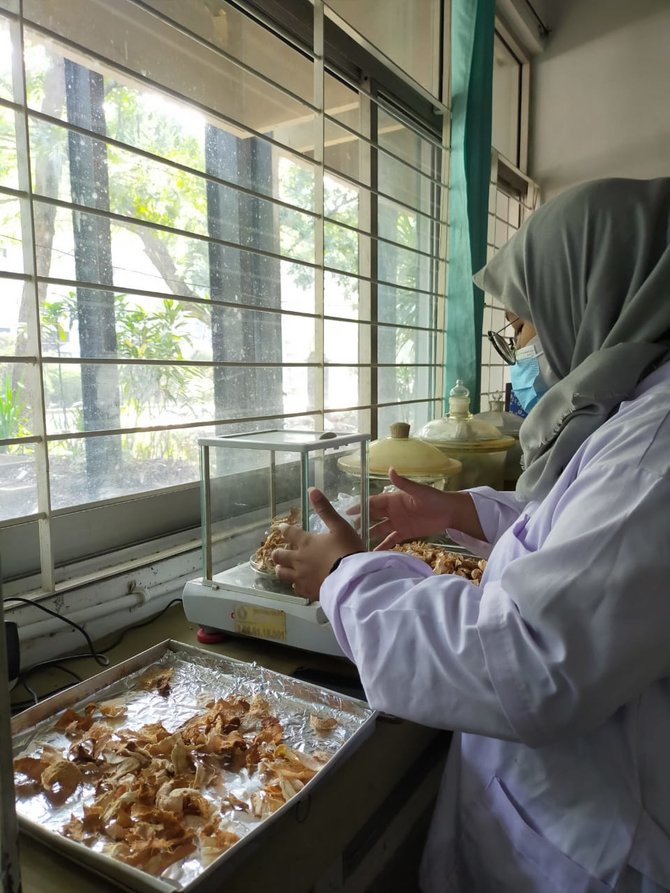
(341, 838)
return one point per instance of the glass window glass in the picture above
(408, 33)
(18, 481)
(216, 247)
(506, 99)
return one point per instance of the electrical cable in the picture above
(101, 659)
(23, 679)
(29, 689)
(18, 706)
(99, 656)
(150, 620)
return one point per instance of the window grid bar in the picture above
(209, 112)
(162, 228)
(222, 422)
(138, 77)
(27, 196)
(211, 178)
(383, 150)
(318, 34)
(167, 162)
(517, 206)
(153, 293)
(219, 51)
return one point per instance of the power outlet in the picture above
(13, 652)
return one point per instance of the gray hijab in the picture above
(591, 271)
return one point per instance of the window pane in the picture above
(506, 92)
(125, 34)
(348, 421)
(405, 307)
(9, 174)
(405, 32)
(341, 341)
(11, 250)
(17, 305)
(416, 414)
(226, 27)
(343, 385)
(342, 202)
(346, 153)
(18, 486)
(6, 51)
(405, 267)
(17, 401)
(342, 246)
(407, 227)
(110, 466)
(212, 251)
(404, 182)
(142, 395)
(405, 382)
(404, 346)
(346, 296)
(401, 140)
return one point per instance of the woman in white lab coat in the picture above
(556, 670)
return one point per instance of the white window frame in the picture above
(173, 552)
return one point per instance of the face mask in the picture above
(528, 383)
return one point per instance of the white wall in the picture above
(600, 93)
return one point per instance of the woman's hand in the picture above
(418, 510)
(307, 561)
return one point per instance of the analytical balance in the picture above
(250, 483)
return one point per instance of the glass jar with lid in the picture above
(478, 445)
(508, 423)
(411, 457)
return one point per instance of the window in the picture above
(512, 198)
(512, 195)
(205, 227)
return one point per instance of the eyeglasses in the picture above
(504, 347)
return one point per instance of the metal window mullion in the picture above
(319, 233)
(47, 569)
(442, 267)
(374, 263)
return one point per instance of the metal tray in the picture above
(30, 727)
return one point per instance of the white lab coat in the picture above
(556, 670)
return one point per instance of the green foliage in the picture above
(297, 234)
(146, 189)
(13, 411)
(159, 332)
(56, 320)
(156, 334)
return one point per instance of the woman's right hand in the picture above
(414, 510)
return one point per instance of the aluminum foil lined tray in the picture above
(262, 741)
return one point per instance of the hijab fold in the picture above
(591, 271)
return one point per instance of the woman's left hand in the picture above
(307, 561)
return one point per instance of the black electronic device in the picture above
(13, 653)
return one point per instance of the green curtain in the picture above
(472, 31)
